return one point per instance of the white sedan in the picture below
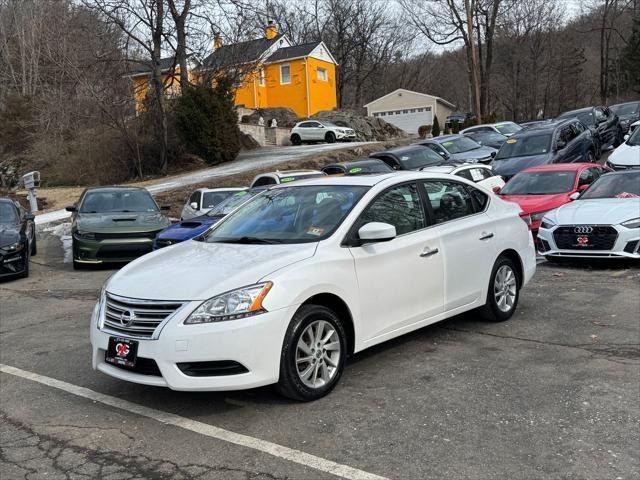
(204, 199)
(286, 287)
(476, 172)
(603, 222)
(627, 155)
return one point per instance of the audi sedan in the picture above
(284, 288)
(602, 222)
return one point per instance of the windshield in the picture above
(540, 183)
(586, 118)
(508, 128)
(418, 158)
(293, 214)
(484, 137)
(634, 139)
(525, 146)
(625, 109)
(231, 203)
(211, 199)
(8, 214)
(368, 167)
(623, 185)
(118, 201)
(459, 145)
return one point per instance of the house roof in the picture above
(402, 90)
(295, 51)
(239, 53)
(140, 68)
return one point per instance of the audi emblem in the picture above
(127, 318)
(583, 230)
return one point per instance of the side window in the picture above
(586, 177)
(450, 200)
(600, 115)
(263, 181)
(578, 128)
(304, 125)
(392, 162)
(436, 148)
(567, 134)
(195, 198)
(314, 124)
(399, 206)
(466, 173)
(333, 170)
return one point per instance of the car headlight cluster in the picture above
(547, 224)
(635, 223)
(13, 248)
(236, 304)
(84, 235)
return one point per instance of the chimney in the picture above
(217, 41)
(271, 31)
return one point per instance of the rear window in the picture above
(626, 185)
(540, 183)
(211, 199)
(586, 118)
(418, 158)
(525, 146)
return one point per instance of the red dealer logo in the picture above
(583, 241)
(122, 349)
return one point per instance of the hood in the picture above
(9, 234)
(627, 155)
(198, 271)
(510, 166)
(477, 154)
(607, 211)
(121, 222)
(538, 203)
(189, 228)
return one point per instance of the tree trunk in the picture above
(180, 20)
(473, 63)
(158, 87)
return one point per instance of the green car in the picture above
(114, 224)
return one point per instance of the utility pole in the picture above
(474, 62)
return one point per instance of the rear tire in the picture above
(503, 291)
(77, 265)
(310, 367)
(25, 272)
(295, 139)
(619, 138)
(330, 137)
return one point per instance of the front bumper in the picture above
(626, 245)
(13, 263)
(255, 343)
(110, 250)
(348, 136)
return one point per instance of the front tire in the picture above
(313, 354)
(295, 139)
(330, 137)
(503, 292)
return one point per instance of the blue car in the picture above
(563, 141)
(188, 229)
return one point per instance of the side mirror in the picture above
(165, 208)
(560, 144)
(445, 155)
(626, 137)
(582, 188)
(71, 208)
(376, 232)
(29, 216)
(574, 196)
(493, 154)
(496, 189)
(194, 205)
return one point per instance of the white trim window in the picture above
(261, 77)
(322, 74)
(285, 73)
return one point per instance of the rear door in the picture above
(466, 237)
(571, 151)
(401, 281)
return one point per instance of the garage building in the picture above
(408, 110)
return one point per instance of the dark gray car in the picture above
(459, 148)
(564, 141)
(603, 123)
(627, 113)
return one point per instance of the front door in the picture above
(401, 280)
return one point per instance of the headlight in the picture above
(538, 215)
(85, 235)
(635, 223)
(14, 247)
(547, 224)
(241, 303)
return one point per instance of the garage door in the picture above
(408, 119)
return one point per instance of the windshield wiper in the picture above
(251, 240)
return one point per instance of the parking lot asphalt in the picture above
(553, 393)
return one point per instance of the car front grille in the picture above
(124, 235)
(136, 318)
(601, 237)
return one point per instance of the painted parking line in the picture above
(286, 453)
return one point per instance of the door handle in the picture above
(486, 236)
(427, 252)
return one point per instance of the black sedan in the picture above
(412, 157)
(628, 113)
(17, 239)
(487, 139)
(603, 123)
(358, 167)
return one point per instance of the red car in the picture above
(540, 189)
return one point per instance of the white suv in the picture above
(316, 131)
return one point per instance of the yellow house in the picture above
(269, 72)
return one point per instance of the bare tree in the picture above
(179, 20)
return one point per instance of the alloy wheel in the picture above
(318, 354)
(504, 288)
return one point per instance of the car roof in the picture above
(113, 188)
(547, 127)
(289, 173)
(560, 167)
(578, 110)
(442, 138)
(355, 163)
(221, 189)
(624, 103)
(400, 150)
